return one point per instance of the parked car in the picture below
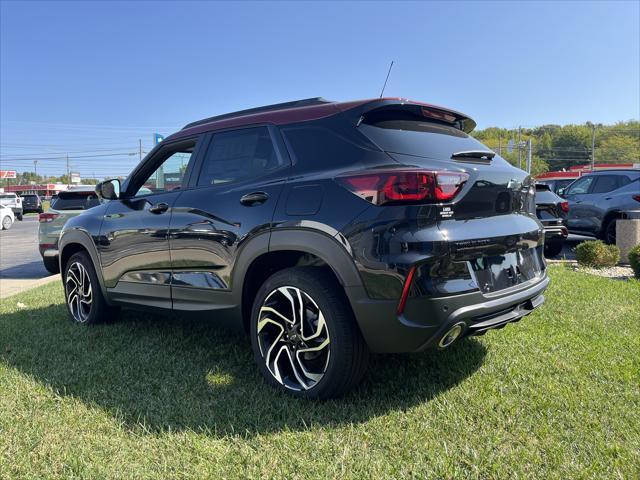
(6, 217)
(31, 203)
(552, 211)
(12, 201)
(325, 230)
(597, 200)
(556, 185)
(66, 205)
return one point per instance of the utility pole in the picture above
(500, 144)
(530, 145)
(519, 147)
(593, 147)
(68, 173)
(140, 148)
(35, 168)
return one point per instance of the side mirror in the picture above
(561, 191)
(109, 189)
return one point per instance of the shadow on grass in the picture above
(174, 373)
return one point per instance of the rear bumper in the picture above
(555, 233)
(426, 320)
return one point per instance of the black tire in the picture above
(98, 310)
(340, 365)
(609, 232)
(552, 249)
(51, 264)
(19, 216)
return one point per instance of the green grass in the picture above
(556, 395)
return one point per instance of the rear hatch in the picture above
(548, 206)
(491, 222)
(67, 205)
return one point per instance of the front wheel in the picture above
(304, 336)
(7, 222)
(84, 298)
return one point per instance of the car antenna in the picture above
(386, 79)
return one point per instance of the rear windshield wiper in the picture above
(477, 155)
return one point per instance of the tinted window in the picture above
(580, 186)
(75, 201)
(329, 144)
(238, 155)
(424, 139)
(605, 183)
(562, 184)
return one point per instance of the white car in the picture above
(6, 217)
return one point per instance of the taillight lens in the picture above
(564, 206)
(405, 186)
(47, 217)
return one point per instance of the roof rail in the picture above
(277, 106)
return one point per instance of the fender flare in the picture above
(82, 238)
(314, 242)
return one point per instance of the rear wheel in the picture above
(51, 264)
(19, 216)
(84, 298)
(552, 249)
(305, 339)
(7, 222)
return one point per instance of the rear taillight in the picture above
(47, 217)
(405, 186)
(636, 198)
(405, 290)
(564, 206)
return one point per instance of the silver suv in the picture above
(598, 199)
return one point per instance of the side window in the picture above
(169, 175)
(606, 183)
(238, 155)
(580, 186)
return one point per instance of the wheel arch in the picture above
(286, 249)
(75, 241)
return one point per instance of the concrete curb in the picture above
(14, 286)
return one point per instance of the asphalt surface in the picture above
(19, 255)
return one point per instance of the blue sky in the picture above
(92, 78)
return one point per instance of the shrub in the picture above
(597, 254)
(634, 260)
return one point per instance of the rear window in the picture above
(75, 201)
(418, 138)
(8, 195)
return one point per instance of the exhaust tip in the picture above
(452, 335)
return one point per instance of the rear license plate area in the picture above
(498, 272)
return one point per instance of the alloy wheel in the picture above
(6, 223)
(79, 292)
(293, 338)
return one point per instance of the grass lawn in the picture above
(554, 396)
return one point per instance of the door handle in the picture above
(254, 198)
(159, 208)
(607, 198)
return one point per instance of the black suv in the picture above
(325, 230)
(31, 203)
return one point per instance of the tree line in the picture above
(555, 147)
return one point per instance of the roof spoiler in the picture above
(418, 109)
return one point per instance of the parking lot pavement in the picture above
(19, 255)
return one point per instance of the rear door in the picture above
(134, 240)
(577, 194)
(231, 197)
